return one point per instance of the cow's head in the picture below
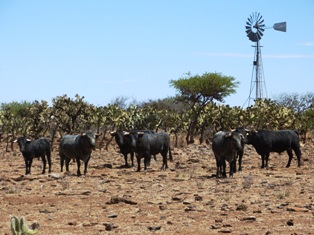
(22, 142)
(89, 139)
(235, 138)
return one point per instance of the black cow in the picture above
(147, 144)
(242, 131)
(225, 146)
(35, 148)
(265, 142)
(124, 142)
(78, 147)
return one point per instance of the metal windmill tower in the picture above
(255, 28)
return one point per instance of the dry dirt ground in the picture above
(185, 199)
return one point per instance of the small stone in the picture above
(249, 218)
(290, 222)
(297, 209)
(242, 207)
(112, 216)
(154, 228)
(108, 227)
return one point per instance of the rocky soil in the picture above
(185, 199)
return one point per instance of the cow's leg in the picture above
(232, 167)
(26, 166)
(78, 163)
(30, 165)
(218, 168)
(289, 151)
(297, 152)
(43, 158)
(138, 162)
(85, 165)
(223, 165)
(125, 155)
(266, 159)
(263, 160)
(67, 163)
(61, 162)
(240, 160)
(147, 157)
(132, 158)
(49, 161)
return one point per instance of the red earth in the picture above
(184, 199)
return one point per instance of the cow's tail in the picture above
(170, 155)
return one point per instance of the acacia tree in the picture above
(199, 90)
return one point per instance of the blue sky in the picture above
(119, 48)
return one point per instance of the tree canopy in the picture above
(205, 88)
(199, 90)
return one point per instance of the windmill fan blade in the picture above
(248, 23)
(252, 37)
(262, 21)
(260, 34)
(260, 18)
(249, 20)
(282, 26)
(248, 31)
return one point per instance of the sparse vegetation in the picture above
(20, 227)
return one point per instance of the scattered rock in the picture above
(108, 227)
(297, 209)
(162, 207)
(242, 207)
(225, 231)
(290, 222)
(249, 218)
(116, 200)
(154, 228)
(112, 216)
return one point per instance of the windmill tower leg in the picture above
(257, 80)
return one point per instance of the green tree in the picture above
(15, 119)
(71, 115)
(302, 105)
(199, 90)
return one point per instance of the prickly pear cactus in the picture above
(20, 227)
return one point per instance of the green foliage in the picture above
(40, 120)
(20, 227)
(72, 115)
(205, 88)
(197, 91)
(267, 114)
(15, 117)
(201, 116)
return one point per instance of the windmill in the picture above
(255, 28)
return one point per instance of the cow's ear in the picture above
(126, 133)
(113, 133)
(83, 134)
(15, 140)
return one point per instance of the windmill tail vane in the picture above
(282, 26)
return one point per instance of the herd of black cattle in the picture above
(228, 146)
